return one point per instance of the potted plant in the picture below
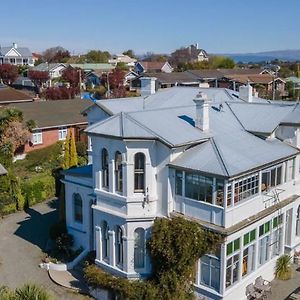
(297, 257)
(283, 268)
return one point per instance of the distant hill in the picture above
(285, 55)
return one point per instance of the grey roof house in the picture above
(15, 55)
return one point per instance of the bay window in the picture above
(198, 187)
(232, 269)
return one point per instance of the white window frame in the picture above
(37, 137)
(62, 133)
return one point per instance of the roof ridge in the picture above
(147, 129)
(218, 153)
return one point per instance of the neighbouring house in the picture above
(54, 69)
(260, 79)
(24, 83)
(89, 67)
(14, 55)
(53, 120)
(152, 67)
(122, 58)
(9, 95)
(2, 170)
(190, 54)
(225, 159)
(262, 83)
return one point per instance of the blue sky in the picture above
(220, 26)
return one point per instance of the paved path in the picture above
(281, 289)
(23, 236)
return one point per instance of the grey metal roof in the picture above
(233, 150)
(45, 67)
(172, 97)
(228, 149)
(170, 130)
(293, 117)
(260, 118)
(2, 170)
(24, 52)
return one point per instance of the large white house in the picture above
(227, 160)
(14, 55)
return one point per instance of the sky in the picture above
(159, 26)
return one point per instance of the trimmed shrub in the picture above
(38, 189)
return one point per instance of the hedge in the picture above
(38, 189)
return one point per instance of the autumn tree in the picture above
(38, 78)
(97, 56)
(70, 157)
(56, 55)
(8, 73)
(13, 133)
(73, 76)
(114, 83)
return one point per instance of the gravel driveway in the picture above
(23, 236)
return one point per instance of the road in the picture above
(23, 236)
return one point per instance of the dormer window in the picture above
(139, 172)
(105, 172)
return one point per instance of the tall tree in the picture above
(56, 54)
(8, 73)
(70, 157)
(97, 56)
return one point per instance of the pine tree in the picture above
(70, 158)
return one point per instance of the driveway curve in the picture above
(23, 237)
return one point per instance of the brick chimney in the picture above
(202, 111)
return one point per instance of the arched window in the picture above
(77, 200)
(139, 172)
(105, 173)
(119, 246)
(105, 240)
(139, 248)
(118, 172)
(298, 222)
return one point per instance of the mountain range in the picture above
(285, 55)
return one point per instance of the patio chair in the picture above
(252, 294)
(262, 285)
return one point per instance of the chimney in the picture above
(245, 93)
(202, 111)
(196, 45)
(15, 45)
(147, 86)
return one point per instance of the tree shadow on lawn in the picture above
(35, 227)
